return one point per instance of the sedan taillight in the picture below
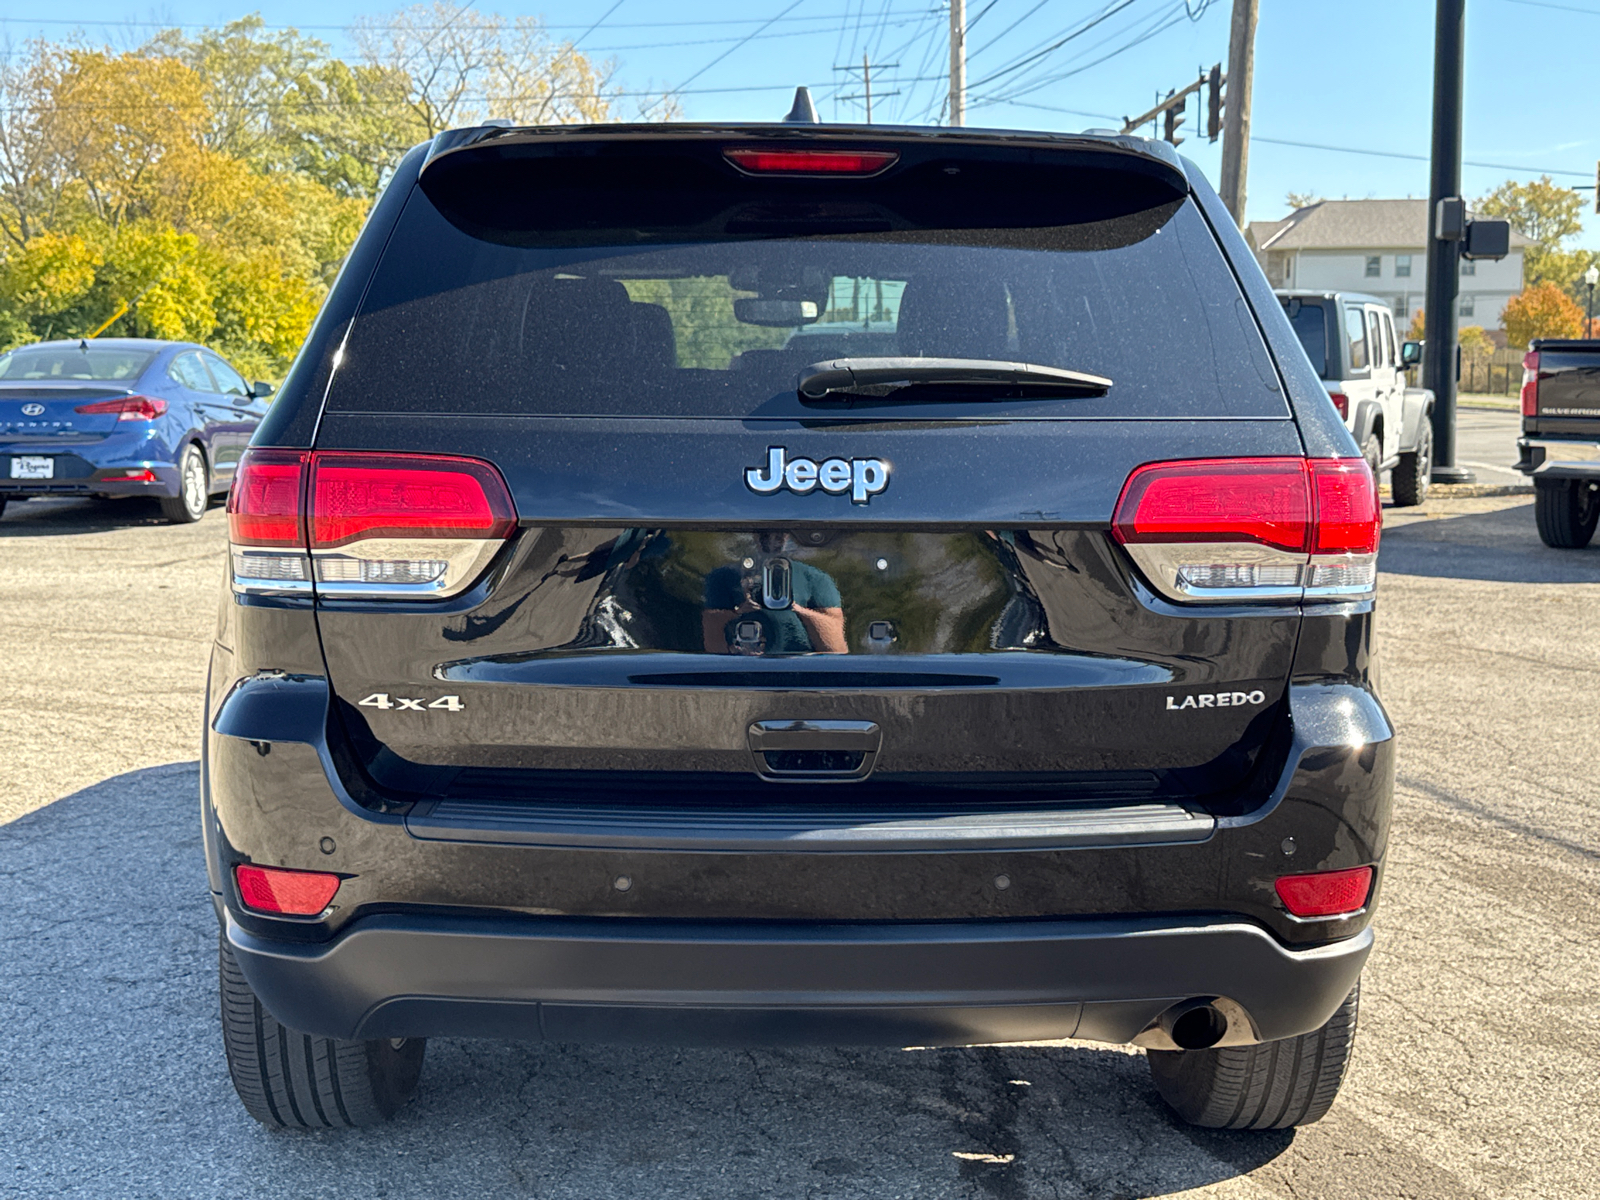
(127, 408)
(353, 524)
(1247, 529)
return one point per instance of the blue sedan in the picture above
(124, 417)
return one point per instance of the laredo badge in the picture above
(1219, 700)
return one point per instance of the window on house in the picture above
(1468, 268)
(1374, 266)
(1402, 310)
(1402, 266)
(1466, 306)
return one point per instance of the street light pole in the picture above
(1591, 277)
(1446, 222)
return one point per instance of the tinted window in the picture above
(188, 370)
(714, 316)
(1355, 329)
(1311, 327)
(229, 380)
(69, 362)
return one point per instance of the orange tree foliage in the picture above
(1542, 310)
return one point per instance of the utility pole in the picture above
(866, 80)
(1446, 228)
(1236, 111)
(958, 62)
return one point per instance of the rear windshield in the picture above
(1311, 326)
(69, 362)
(658, 307)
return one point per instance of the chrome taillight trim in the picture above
(1162, 565)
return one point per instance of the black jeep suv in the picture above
(772, 584)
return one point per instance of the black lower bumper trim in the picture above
(967, 983)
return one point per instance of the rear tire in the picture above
(1372, 451)
(1275, 1085)
(1413, 473)
(194, 489)
(1566, 511)
(291, 1080)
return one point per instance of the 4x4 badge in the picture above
(863, 478)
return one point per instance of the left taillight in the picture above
(290, 893)
(266, 524)
(1251, 529)
(350, 524)
(127, 408)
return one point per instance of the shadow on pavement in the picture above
(53, 517)
(1499, 547)
(112, 1081)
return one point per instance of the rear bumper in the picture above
(96, 469)
(1559, 458)
(729, 983)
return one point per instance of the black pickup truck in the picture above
(1560, 443)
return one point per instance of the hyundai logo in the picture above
(32, 410)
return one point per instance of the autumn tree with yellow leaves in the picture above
(207, 188)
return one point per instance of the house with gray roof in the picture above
(1379, 247)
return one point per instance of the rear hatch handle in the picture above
(815, 751)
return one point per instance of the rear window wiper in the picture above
(888, 374)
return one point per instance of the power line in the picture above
(735, 46)
(1018, 64)
(1159, 23)
(1419, 157)
(347, 28)
(598, 23)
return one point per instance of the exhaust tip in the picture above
(1197, 1028)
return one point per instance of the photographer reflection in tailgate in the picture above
(773, 605)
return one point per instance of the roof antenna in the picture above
(83, 343)
(803, 112)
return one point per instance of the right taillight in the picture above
(1530, 384)
(1341, 403)
(365, 525)
(1229, 530)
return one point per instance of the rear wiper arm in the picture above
(854, 374)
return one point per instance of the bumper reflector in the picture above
(292, 893)
(1327, 893)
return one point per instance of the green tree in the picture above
(1549, 214)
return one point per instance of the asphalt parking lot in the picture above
(1476, 1074)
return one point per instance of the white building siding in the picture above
(1485, 291)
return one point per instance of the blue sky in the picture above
(1331, 73)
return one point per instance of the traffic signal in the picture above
(1175, 116)
(1214, 107)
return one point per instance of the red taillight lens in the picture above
(264, 506)
(811, 162)
(1327, 893)
(355, 496)
(1261, 500)
(1252, 528)
(1342, 403)
(292, 893)
(1530, 384)
(1348, 514)
(128, 408)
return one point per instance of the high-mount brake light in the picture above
(1341, 403)
(1326, 893)
(1530, 384)
(291, 893)
(1248, 529)
(127, 408)
(355, 524)
(766, 161)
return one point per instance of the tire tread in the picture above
(1274, 1085)
(292, 1080)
